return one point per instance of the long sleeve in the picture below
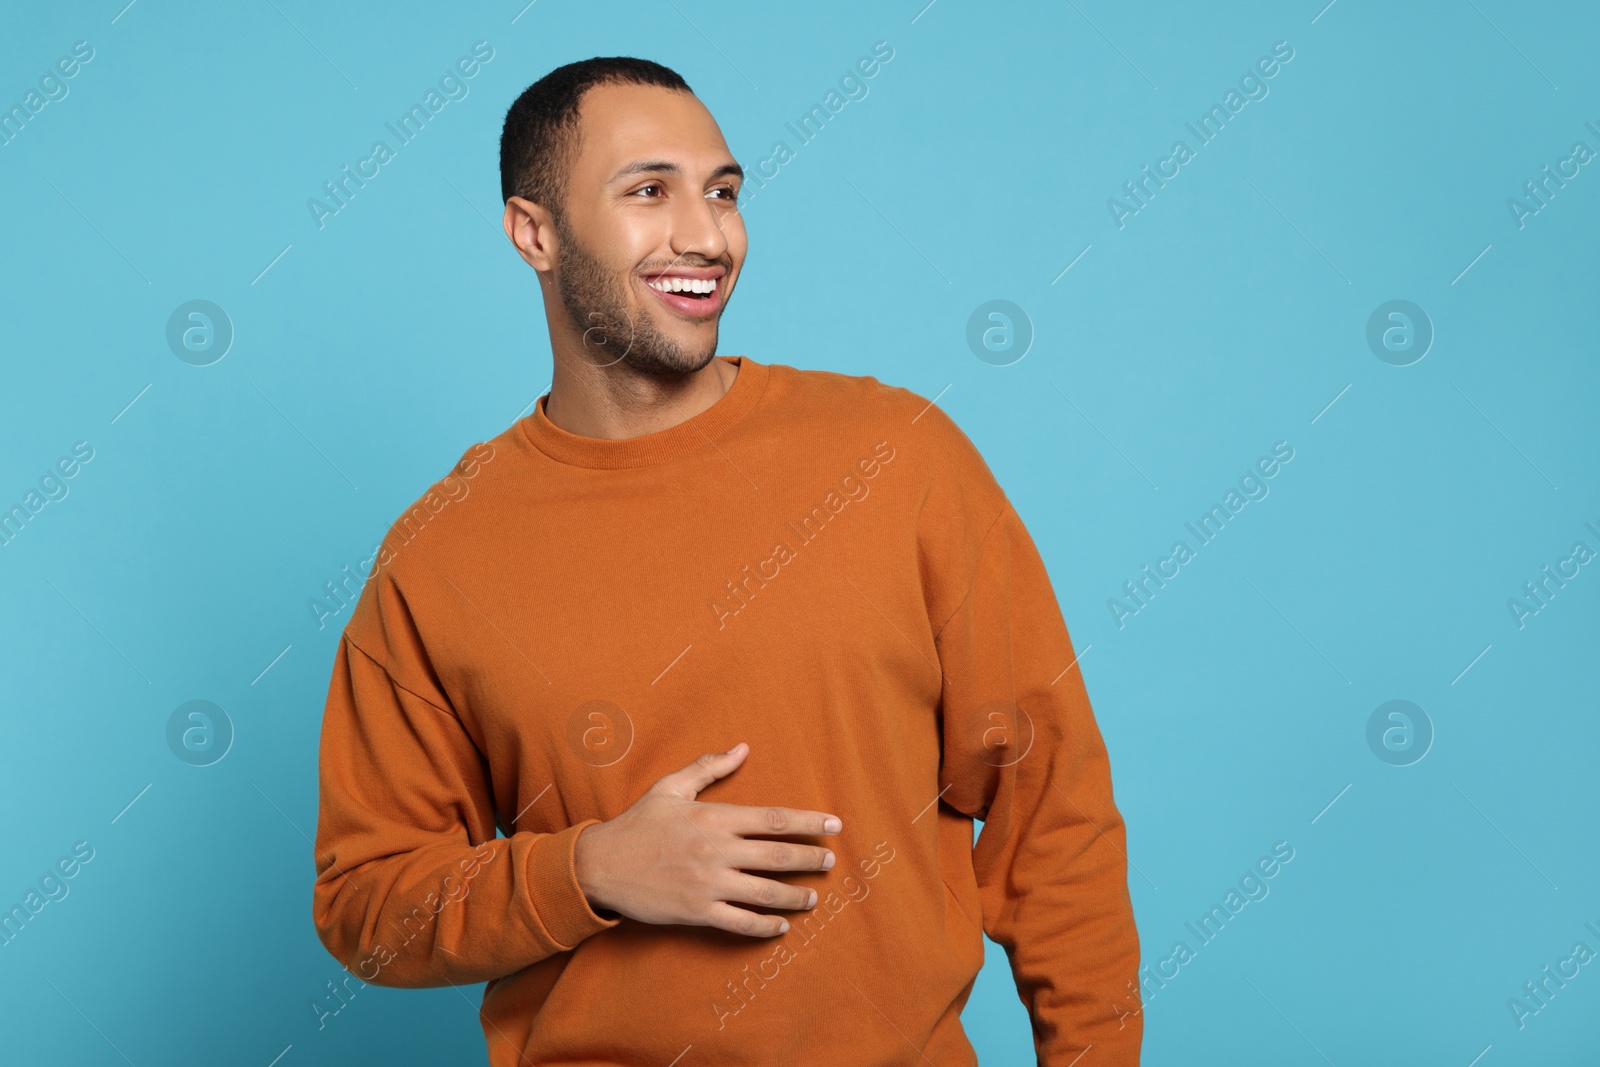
(1022, 752)
(413, 888)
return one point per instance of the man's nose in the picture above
(697, 228)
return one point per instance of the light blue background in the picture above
(1228, 314)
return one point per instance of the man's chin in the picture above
(675, 364)
(680, 347)
(664, 355)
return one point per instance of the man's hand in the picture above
(672, 859)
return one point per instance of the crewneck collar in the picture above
(748, 385)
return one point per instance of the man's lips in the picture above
(691, 305)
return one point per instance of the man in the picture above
(733, 654)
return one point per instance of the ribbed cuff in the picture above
(559, 903)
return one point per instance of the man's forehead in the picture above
(625, 123)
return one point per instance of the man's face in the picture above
(650, 206)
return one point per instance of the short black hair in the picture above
(541, 126)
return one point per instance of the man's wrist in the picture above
(583, 867)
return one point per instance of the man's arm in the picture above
(1022, 752)
(413, 888)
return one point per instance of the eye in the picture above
(652, 185)
(728, 192)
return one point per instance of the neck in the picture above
(618, 401)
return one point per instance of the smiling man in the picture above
(731, 655)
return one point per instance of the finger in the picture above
(745, 819)
(767, 892)
(706, 769)
(758, 855)
(739, 921)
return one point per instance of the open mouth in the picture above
(689, 288)
(695, 293)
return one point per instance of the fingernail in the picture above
(783, 927)
(734, 749)
(827, 862)
(831, 825)
(813, 901)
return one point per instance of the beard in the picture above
(596, 300)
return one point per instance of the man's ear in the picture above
(532, 231)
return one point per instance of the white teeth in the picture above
(679, 285)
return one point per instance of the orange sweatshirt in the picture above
(818, 564)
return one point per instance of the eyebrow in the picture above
(662, 166)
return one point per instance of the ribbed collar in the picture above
(748, 385)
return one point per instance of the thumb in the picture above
(706, 769)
